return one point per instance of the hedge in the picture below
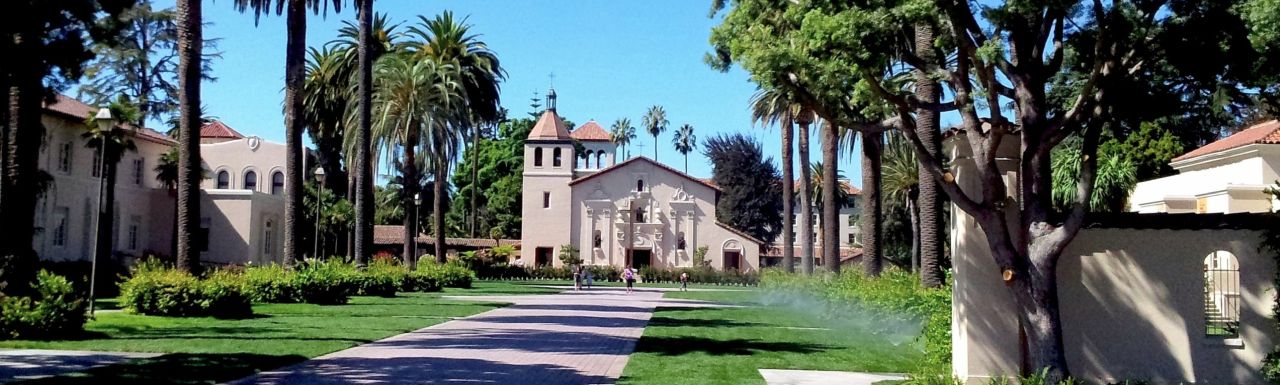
(156, 290)
(56, 311)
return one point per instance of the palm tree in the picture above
(411, 96)
(768, 107)
(449, 41)
(685, 142)
(110, 147)
(815, 192)
(622, 135)
(364, 162)
(655, 122)
(803, 120)
(167, 174)
(872, 225)
(294, 74)
(928, 129)
(190, 45)
(901, 182)
(831, 197)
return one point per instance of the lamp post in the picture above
(315, 249)
(106, 124)
(417, 215)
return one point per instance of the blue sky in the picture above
(611, 59)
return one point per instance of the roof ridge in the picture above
(1266, 132)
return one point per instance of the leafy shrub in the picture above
(325, 283)
(419, 281)
(450, 274)
(271, 284)
(703, 275)
(156, 290)
(381, 278)
(895, 296)
(56, 311)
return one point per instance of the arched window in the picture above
(639, 184)
(1221, 295)
(555, 157)
(251, 181)
(537, 157)
(600, 159)
(224, 180)
(277, 183)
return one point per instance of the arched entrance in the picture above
(732, 255)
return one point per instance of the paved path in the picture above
(25, 364)
(568, 338)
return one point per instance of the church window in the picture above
(600, 159)
(555, 157)
(537, 157)
(546, 199)
(639, 184)
(640, 215)
(596, 240)
(680, 243)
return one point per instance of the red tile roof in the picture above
(74, 109)
(549, 127)
(217, 129)
(1262, 133)
(591, 131)
(740, 233)
(842, 182)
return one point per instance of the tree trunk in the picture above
(364, 161)
(655, 147)
(913, 213)
(806, 207)
(830, 203)
(872, 223)
(788, 201)
(26, 133)
(929, 203)
(190, 45)
(294, 74)
(410, 179)
(437, 215)
(475, 180)
(350, 231)
(106, 208)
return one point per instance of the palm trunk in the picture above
(655, 147)
(913, 213)
(106, 209)
(19, 200)
(350, 231)
(806, 206)
(190, 45)
(437, 215)
(830, 204)
(410, 178)
(295, 71)
(475, 180)
(929, 203)
(788, 201)
(364, 162)
(872, 223)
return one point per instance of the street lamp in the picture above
(106, 124)
(417, 215)
(315, 249)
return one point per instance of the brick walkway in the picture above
(569, 338)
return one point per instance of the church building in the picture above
(636, 212)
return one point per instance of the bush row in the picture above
(56, 310)
(895, 297)
(702, 275)
(156, 290)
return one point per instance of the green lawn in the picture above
(207, 350)
(728, 345)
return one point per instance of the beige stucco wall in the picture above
(237, 223)
(673, 204)
(539, 226)
(1225, 182)
(240, 156)
(74, 193)
(1132, 302)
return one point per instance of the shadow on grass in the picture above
(698, 322)
(677, 346)
(175, 369)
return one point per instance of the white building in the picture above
(240, 218)
(1226, 176)
(635, 213)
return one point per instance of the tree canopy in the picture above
(751, 195)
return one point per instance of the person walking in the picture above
(577, 278)
(590, 278)
(629, 276)
(684, 281)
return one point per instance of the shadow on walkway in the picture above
(393, 371)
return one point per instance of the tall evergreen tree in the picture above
(751, 189)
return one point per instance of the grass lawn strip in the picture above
(683, 346)
(208, 350)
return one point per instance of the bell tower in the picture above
(548, 168)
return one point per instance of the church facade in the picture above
(632, 213)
